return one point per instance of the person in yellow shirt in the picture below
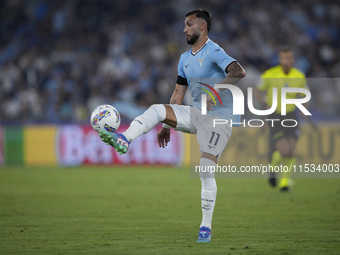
(283, 138)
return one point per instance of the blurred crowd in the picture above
(60, 59)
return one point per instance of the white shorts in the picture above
(211, 139)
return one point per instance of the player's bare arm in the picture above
(235, 72)
(178, 94)
(163, 136)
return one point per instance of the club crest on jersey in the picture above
(201, 61)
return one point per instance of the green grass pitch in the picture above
(156, 210)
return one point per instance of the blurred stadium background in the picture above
(60, 59)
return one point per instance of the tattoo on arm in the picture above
(173, 101)
(235, 72)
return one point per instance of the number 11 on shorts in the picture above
(212, 138)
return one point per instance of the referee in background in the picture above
(282, 139)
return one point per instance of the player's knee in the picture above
(159, 110)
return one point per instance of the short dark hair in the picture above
(286, 48)
(201, 13)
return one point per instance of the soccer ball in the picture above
(105, 117)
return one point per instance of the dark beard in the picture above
(193, 39)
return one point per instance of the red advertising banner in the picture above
(77, 145)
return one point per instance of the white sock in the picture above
(145, 122)
(208, 192)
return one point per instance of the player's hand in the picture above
(163, 137)
(210, 103)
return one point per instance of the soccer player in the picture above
(205, 59)
(282, 139)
